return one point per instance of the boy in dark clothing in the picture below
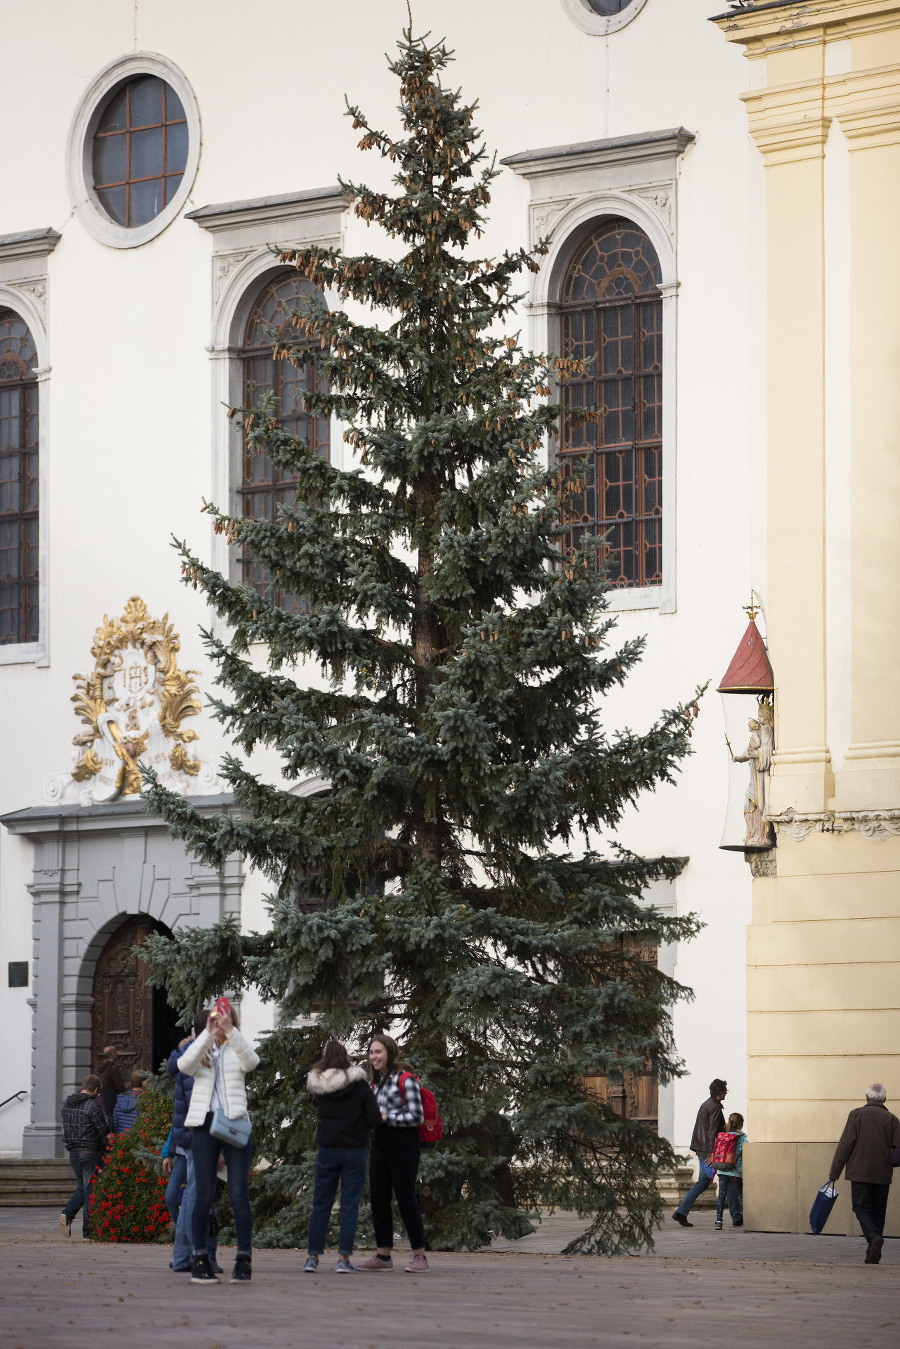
(710, 1122)
(85, 1131)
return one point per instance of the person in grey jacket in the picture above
(864, 1152)
(710, 1122)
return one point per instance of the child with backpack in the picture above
(394, 1159)
(727, 1159)
(347, 1111)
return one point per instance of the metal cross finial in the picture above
(752, 609)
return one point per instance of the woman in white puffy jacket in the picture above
(218, 1060)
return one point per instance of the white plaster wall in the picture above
(130, 391)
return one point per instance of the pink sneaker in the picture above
(417, 1265)
(376, 1263)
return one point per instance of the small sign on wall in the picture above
(18, 974)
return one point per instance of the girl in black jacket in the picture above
(347, 1111)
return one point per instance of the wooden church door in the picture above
(123, 1003)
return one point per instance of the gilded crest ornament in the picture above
(133, 704)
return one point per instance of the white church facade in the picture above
(167, 149)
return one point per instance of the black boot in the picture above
(873, 1251)
(202, 1270)
(243, 1270)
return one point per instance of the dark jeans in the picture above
(177, 1181)
(347, 1165)
(870, 1206)
(205, 1151)
(394, 1165)
(731, 1191)
(84, 1164)
(702, 1183)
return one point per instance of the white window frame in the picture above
(571, 188)
(600, 25)
(246, 237)
(80, 149)
(23, 288)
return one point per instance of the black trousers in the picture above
(870, 1206)
(393, 1166)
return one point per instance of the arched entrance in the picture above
(127, 1013)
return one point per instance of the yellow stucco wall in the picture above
(823, 949)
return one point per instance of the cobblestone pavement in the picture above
(746, 1290)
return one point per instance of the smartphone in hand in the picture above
(222, 1006)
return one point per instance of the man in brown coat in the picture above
(710, 1121)
(864, 1149)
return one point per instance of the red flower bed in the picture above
(129, 1198)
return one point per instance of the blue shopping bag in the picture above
(824, 1202)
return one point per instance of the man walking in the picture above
(85, 1131)
(710, 1122)
(864, 1149)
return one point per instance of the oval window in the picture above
(608, 6)
(140, 150)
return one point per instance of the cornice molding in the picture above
(668, 144)
(28, 244)
(867, 105)
(776, 26)
(232, 215)
(788, 122)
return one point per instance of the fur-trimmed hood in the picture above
(334, 1080)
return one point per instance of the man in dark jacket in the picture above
(112, 1084)
(85, 1131)
(710, 1122)
(871, 1132)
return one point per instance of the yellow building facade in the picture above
(823, 949)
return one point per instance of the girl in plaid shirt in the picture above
(394, 1159)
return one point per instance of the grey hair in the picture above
(876, 1094)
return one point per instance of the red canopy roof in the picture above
(749, 671)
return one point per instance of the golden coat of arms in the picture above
(133, 704)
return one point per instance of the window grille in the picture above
(264, 486)
(611, 314)
(19, 612)
(140, 151)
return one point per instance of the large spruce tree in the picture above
(455, 886)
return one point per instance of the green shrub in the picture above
(129, 1198)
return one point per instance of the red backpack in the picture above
(724, 1151)
(431, 1130)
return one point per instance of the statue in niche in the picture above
(758, 755)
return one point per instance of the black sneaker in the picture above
(681, 1219)
(873, 1254)
(242, 1271)
(202, 1270)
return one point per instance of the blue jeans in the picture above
(731, 1190)
(702, 1183)
(205, 1153)
(184, 1227)
(84, 1164)
(177, 1181)
(347, 1165)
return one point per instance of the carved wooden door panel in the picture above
(637, 1095)
(123, 1004)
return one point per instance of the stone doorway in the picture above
(127, 1012)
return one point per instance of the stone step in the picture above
(33, 1182)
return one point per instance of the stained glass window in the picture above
(140, 151)
(612, 319)
(18, 481)
(264, 486)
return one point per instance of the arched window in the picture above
(19, 612)
(611, 313)
(263, 486)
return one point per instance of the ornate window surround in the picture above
(571, 188)
(600, 25)
(246, 236)
(23, 288)
(79, 148)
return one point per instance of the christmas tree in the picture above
(452, 886)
